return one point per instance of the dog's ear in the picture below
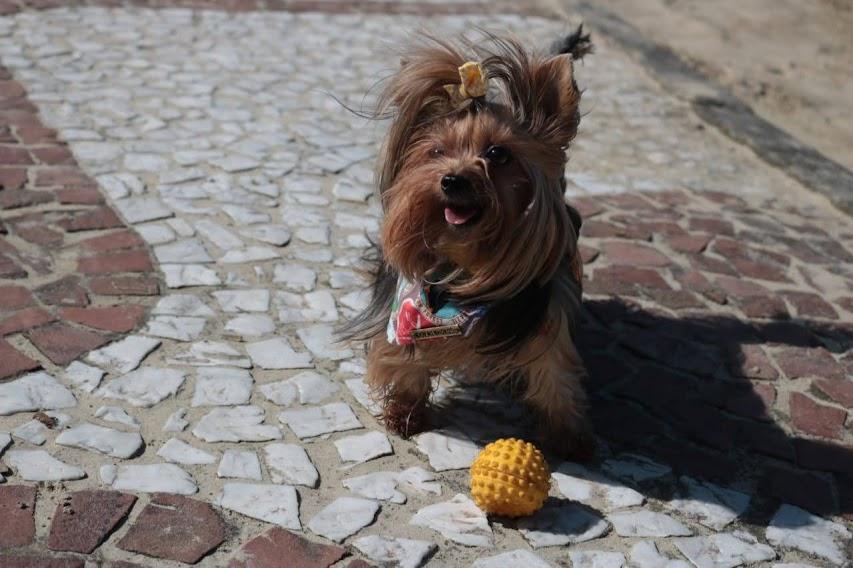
(554, 116)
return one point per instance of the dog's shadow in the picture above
(676, 391)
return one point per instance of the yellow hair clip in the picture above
(473, 83)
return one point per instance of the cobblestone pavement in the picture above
(228, 429)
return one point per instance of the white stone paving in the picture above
(38, 465)
(102, 440)
(149, 478)
(254, 189)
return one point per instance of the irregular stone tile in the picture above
(711, 505)
(277, 547)
(319, 339)
(235, 163)
(175, 422)
(450, 450)
(250, 325)
(102, 440)
(84, 519)
(155, 234)
(211, 354)
(272, 234)
(313, 387)
(17, 509)
(175, 327)
(282, 393)
(186, 305)
(295, 277)
(634, 468)
(349, 190)
(244, 465)
(645, 554)
(518, 557)
(142, 209)
(187, 251)
(218, 235)
(581, 484)
(116, 414)
(35, 391)
(363, 447)
(792, 527)
(596, 559)
(313, 235)
(124, 355)
(459, 520)
(144, 387)
(360, 391)
(276, 504)
(188, 275)
(178, 451)
(38, 465)
(319, 420)
(402, 552)
(277, 353)
(222, 386)
(238, 424)
(310, 307)
(724, 550)
(646, 523)
(33, 432)
(249, 254)
(233, 301)
(344, 517)
(5, 441)
(383, 485)
(175, 528)
(149, 478)
(289, 463)
(559, 523)
(62, 343)
(83, 376)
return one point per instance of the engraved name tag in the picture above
(436, 332)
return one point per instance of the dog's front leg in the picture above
(401, 384)
(554, 390)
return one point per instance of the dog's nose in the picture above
(452, 183)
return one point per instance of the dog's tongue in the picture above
(456, 216)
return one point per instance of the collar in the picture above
(414, 319)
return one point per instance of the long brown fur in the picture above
(519, 257)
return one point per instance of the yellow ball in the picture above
(510, 477)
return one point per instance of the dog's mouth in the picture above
(459, 215)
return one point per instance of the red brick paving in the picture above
(41, 561)
(62, 343)
(17, 510)
(36, 170)
(84, 519)
(175, 528)
(278, 547)
(724, 294)
(13, 362)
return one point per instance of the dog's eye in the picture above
(436, 152)
(497, 154)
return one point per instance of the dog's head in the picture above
(474, 184)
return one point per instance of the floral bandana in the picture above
(413, 319)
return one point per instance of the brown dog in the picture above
(478, 266)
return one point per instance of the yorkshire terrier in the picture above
(478, 267)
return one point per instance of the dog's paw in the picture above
(578, 446)
(405, 420)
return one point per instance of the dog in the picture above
(477, 266)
